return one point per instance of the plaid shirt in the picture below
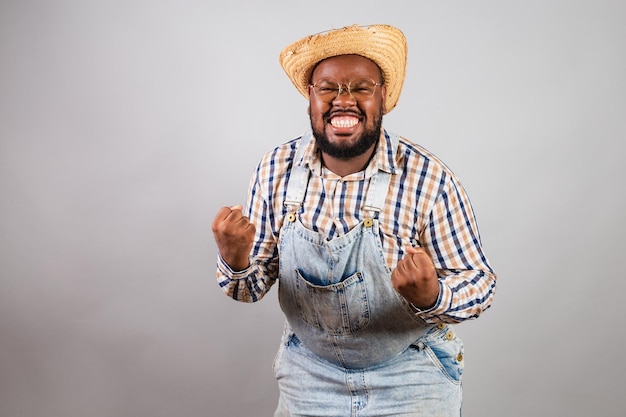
(426, 206)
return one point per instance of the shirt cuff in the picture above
(226, 270)
(443, 303)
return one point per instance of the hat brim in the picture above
(385, 45)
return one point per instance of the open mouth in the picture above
(344, 122)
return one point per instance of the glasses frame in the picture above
(344, 87)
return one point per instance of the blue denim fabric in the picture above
(422, 381)
(338, 297)
(352, 345)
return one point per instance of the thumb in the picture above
(411, 249)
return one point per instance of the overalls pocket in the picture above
(336, 309)
(445, 350)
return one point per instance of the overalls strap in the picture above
(299, 176)
(379, 184)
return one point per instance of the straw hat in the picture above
(385, 45)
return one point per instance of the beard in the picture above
(347, 151)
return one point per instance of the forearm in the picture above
(257, 268)
(467, 281)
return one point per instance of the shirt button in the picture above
(440, 326)
(459, 357)
(368, 222)
(450, 335)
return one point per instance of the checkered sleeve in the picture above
(467, 281)
(251, 284)
(265, 209)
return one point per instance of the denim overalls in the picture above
(352, 345)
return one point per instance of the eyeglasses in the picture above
(327, 89)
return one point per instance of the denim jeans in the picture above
(422, 381)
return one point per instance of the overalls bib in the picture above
(337, 295)
(352, 345)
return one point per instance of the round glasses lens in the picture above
(362, 88)
(326, 89)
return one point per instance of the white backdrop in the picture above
(125, 125)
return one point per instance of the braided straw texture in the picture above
(383, 44)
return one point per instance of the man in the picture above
(371, 237)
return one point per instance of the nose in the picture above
(344, 96)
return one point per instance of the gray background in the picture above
(125, 125)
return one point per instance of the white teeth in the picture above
(344, 121)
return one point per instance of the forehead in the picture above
(345, 68)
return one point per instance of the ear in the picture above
(383, 92)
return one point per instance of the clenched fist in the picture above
(415, 278)
(234, 235)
